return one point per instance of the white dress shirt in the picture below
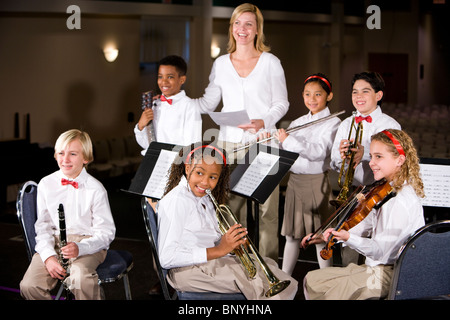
(262, 93)
(387, 228)
(187, 227)
(178, 123)
(87, 212)
(313, 143)
(380, 121)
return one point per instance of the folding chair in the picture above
(421, 270)
(117, 263)
(152, 232)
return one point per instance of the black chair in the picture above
(152, 232)
(422, 269)
(117, 263)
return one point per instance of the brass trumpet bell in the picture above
(226, 219)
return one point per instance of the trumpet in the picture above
(226, 219)
(349, 173)
(290, 130)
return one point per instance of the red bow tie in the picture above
(359, 119)
(65, 182)
(163, 98)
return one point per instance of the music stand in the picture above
(256, 177)
(151, 177)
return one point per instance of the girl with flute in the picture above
(308, 192)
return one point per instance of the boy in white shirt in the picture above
(89, 224)
(174, 118)
(367, 94)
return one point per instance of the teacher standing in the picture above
(252, 79)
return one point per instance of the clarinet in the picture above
(62, 243)
(62, 236)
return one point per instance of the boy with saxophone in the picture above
(367, 95)
(88, 220)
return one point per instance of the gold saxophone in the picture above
(347, 167)
(226, 219)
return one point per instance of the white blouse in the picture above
(262, 93)
(313, 143)
(381, 234)
(187, 227)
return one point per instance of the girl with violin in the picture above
(377, 232)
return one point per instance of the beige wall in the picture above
(61, 78)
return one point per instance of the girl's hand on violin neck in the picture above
(341, 235)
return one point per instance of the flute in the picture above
(290, 130)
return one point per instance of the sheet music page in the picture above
(158, 179)
(436, 181)
(233, 118)
(255, 173)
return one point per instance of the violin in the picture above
(371, 197)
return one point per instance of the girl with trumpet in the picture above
(190, 242)
(380, 235)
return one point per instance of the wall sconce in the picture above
(215, 51)
(110, 53)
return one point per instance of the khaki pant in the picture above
(268, 222)
(83, 280)
(226, 275)
(354, 282)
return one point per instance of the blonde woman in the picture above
(249, 78)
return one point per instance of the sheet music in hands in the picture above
(158, 179)
(255, 173)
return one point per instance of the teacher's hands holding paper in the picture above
(254, 126)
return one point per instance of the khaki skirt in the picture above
(307, 204)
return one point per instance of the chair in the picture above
(117, 263)
(421, 270)
(152, 232)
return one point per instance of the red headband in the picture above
(397, 144)
(206, 146)
(321, 78)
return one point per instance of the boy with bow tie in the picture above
(89, 224)
(174, 118)
(367, 95)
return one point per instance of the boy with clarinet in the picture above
(88, 220)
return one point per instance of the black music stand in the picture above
(254, 181)
(154, 168)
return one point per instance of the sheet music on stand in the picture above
(435, 174)
(151, 177)
(256, 177)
